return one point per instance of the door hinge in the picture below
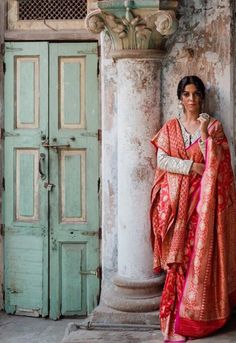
(99, 184)
(2, 49)
(4, 67)
(99, 135)
(2, 133)
(98, 68)
(3, 183)
(100, 233)
(99, 50)
(3, 292)
(2, 229)
(97, 272)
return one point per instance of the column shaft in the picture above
(135, 288)
(138, 116)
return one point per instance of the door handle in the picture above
(56, 146)
(42, 157)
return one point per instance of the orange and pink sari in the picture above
(193, 221)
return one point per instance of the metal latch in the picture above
(48, 186)
(89, 233)
(56, 146)
(96, 272)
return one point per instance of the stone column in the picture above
(138, 33)
(138, 105)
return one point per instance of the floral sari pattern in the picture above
(194, 235)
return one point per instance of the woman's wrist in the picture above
(204, 136)
(193, 166)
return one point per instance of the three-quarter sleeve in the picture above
(173, 164)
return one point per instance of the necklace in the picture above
(187, 136)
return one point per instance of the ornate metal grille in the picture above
(52, 9)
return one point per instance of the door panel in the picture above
(72, 187)
(27, 186)
(51, 172)
(27, 104)
(25, 200)
(74, 172)
(71, 83)
(73, 284)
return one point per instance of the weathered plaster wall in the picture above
(203, 47)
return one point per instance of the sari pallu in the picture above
(209, 289)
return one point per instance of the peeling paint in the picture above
(202, 47)
(140, 174)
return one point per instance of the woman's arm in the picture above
(173, 164)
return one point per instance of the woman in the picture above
(193, 216)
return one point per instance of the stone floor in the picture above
(19, 329)
(81, 335)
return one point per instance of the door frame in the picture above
(2, 34)
(98, 166)
(7, 35)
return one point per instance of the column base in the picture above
(106, 315)
(128, 295)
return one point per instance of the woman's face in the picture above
(191, 99)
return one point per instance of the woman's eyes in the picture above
(187, 94)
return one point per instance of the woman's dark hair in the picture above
(189, 80)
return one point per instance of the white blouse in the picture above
(175, 164)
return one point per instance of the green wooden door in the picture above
(25, 199)
(74, 245)
(51, 172)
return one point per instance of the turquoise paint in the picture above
(26, 186)
(26, 101)
(131, 4)
(73, 186)
(28, 267)
(73, 259)
(64, 232)
(26, 239)
(25, 271)
(72, 97)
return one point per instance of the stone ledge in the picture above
(106, 315)
(146, 54)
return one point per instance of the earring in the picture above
(202, 106)
(180, 109)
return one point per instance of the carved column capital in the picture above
(134, 27)
(166, 23)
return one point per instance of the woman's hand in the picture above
(204, 120)
(198, 168)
